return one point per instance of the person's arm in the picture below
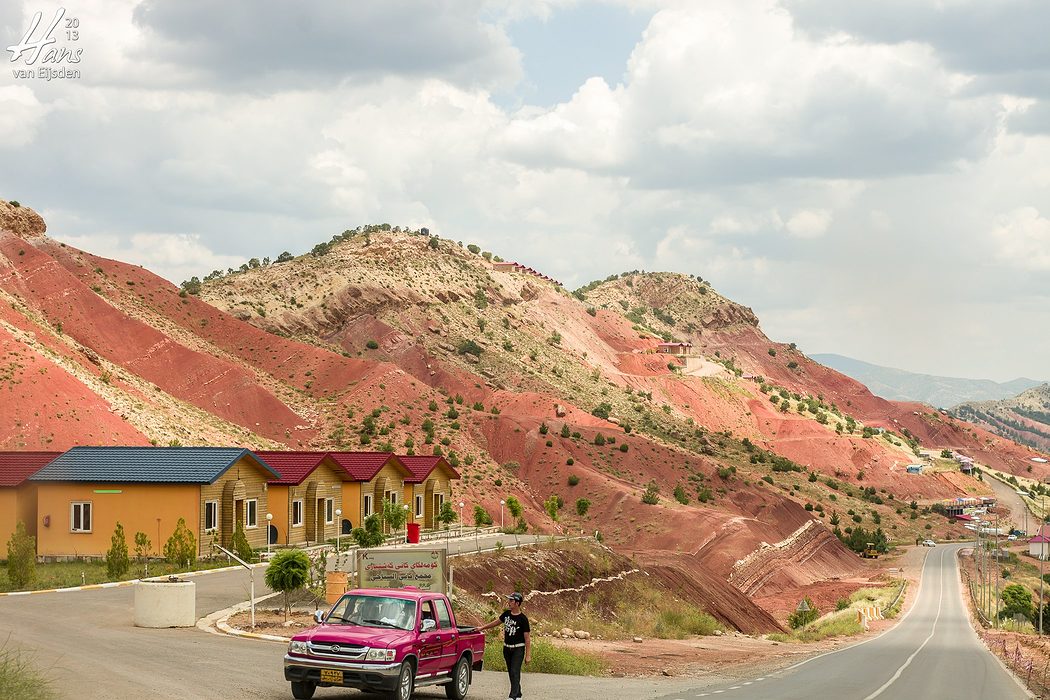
(528, 647)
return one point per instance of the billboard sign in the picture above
(426, 569)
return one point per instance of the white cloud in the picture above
(796, 171)
(175, 257)
(21, 114)
(809, 223)
(1022, 239)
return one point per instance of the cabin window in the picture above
(297, 513)
(211, 516)
(419, 506)
(80, 516)
(251, 513)
(329, 511)
(368, 505)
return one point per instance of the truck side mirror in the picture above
(427, 626)
(318, 616)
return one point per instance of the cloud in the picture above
(21, 114)
(809, 223)
(292, 45)
(1022, 239)
(720, 94)
(1003, 41)
(175, 257)
(843, 186)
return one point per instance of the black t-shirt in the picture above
(514, 627)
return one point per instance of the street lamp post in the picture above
(1042, 558)
(501, 504)
(269, 518)
(405, 506)
(461, 504)
(338, 527)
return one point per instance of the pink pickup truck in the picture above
(386, 639)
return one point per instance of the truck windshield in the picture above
(373, 611)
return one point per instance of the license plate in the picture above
(328, 676)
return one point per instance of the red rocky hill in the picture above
(393, 340)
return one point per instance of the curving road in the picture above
(933, 652)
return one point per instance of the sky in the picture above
(872, 179)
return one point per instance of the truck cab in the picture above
(391, 640)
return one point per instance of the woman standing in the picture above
(517, 641)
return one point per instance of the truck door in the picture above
(450, 640)
(430, 643)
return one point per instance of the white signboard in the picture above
(426, 569)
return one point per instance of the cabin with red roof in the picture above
(429, 487)
(374, 476)
(304, 500)
(17, 493)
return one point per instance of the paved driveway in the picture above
(86, 642)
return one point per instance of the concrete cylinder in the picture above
(335, 586)
(164, 603)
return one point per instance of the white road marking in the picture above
(746, 683)
(735, 687)
(906, 664)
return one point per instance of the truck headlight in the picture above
(381, 655)
(297, 647)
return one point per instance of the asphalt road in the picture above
(86, 643)
(931, 653)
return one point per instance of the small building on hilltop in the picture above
(680, 348)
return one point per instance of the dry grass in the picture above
(20, 679)
(628, 609)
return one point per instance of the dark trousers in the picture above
(514, 658)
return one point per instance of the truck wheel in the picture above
(457, 689)
(303, 690)
(406, 681)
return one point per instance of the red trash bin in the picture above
(413, 533)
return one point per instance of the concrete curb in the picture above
(216, 622)
(121, 584)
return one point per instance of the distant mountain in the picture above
(1024, 418)
(899, 385)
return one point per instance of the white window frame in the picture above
(79, 505)
(215, 525)
(253, 521)
(366, 504)
(419, 506)
(329, 511)
(297, 504)
(391, 496)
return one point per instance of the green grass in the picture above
(20, 679)
(546, 658)
(679, 623)
(67, 574)
(841, 624)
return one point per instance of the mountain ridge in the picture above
(401, 341)
(902, 385)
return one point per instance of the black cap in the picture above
(517, 597)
